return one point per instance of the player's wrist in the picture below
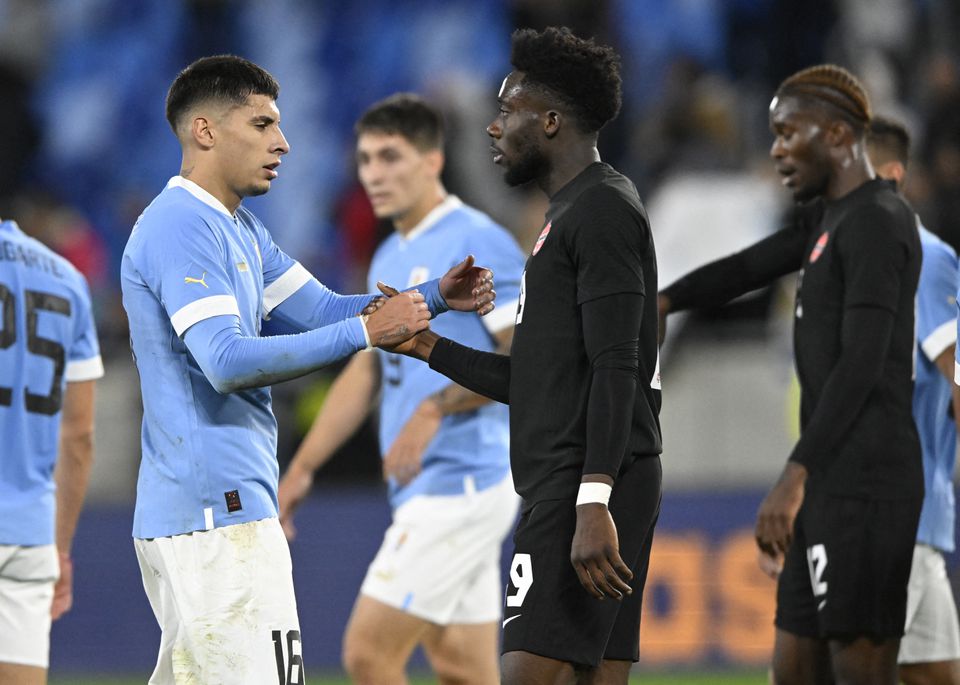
(594, 493)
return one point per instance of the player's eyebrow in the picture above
(263, 119)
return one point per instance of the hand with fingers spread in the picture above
(398, 319)
(373, 305)
(403, 460)
(595, 554)
(770, 564)
(468, 288)
(778, 511)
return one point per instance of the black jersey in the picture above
(863, 251)
(596, 242)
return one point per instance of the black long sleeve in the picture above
(611, 327)
(485, 373)
(754, 267)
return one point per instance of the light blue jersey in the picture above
(47, 338)
(475, 443)
(936, 332)
(209, 458)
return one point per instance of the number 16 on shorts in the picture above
(289, 660)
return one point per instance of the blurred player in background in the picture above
(49, 362)
(582, 379)
(845, 508)
(930, 648)
(199, 275)
(436, 578)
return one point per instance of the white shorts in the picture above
(27, 577)
(932, 632)
(225, 604)
(440, 558)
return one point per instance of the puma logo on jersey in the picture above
(202, 280)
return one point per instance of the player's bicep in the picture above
(608, 250)
(873, 256)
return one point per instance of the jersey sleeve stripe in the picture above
(942, 337)
(290, 282)
(502, 317)
(84, 369)
(205, 308)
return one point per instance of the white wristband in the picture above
(363, 325)
(591, 493)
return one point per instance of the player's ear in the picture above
(201, 132)
(551, 122)
(435, 161)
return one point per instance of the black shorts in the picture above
(845, 574)
(547, 612)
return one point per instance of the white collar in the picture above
(199, 193)
(450, 203)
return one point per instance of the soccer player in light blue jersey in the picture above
(436, 578)
(930, 647)
(49, 362)
(200, 277)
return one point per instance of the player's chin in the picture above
(260, 187)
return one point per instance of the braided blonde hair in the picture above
(834, 85)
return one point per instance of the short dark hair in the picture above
(226, 78)
(889, 139)
(835, 87)
(404, 114)
(582, 74)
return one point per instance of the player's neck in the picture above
(564, 168)
(849, 177)
(412, 218)
(213, 183)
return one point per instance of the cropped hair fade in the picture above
(225, 78)
(407, 115)
(889, 140)
(582, 74)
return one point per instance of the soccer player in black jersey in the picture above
(844, 511)
(582, 379)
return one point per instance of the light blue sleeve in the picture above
(936, 300)
(293, 297)
(83, 356)
(184, 265)
(232, 361)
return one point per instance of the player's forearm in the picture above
(720, 281)
(610, 326)
(232, 361)
(75, 460)
(866, 336)
(346, 407)
(315, 306)
(455, 399)
(486, 373)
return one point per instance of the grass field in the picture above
(724, 678)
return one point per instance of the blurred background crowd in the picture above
(82, 84)
(86, 146)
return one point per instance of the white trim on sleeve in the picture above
(290, 282)
(942, 337)
(204, 308)
(502, 317)
(84, 369)
(956, 372)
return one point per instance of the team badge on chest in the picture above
(543, 236)
(819, 246)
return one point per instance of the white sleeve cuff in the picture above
(366, 333)
(290, 282)
(943, 337)
(84, 369)
(503, 316)
(205, 308)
